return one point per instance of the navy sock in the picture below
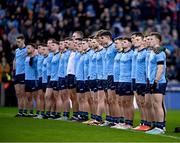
(98, 118)
(108, 118)
(81, 114)
(148, 123)
(116, 120)
(66, 114)
(37, 112)
(58, 114)
(92, 116)
(53, 113)
(129, 122)
(153, 124)
(42, 113)
(142, 122)
(48, 113)
(160, 125)
(25, 111)
(31, 111)
(85, 115)
(75, 114)
(20, 111)
(121, 120)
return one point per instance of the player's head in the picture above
(54, 46)
(94, 43)
(67, 42)
(97, 36)
(137, 39)
(146, 40)
(40, 48)
(31, 48)
(105, 37)
(77, 34)
(76, 43)
(126, 43)
(20, 41)
(90, 41)
(118, 42)
(85, 45)
(155, 39)
(45, 50)
(61, 45)
(49, 43)
(79, 46)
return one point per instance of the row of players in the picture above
(98, 76)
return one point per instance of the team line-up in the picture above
(98, 75)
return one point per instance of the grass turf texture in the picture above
(29, 129)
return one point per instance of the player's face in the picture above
(90, 42)
(66, 43)
(126, 44)
(30, 49)
(79, 46)
(71, 45)
(45, 51)
(75, 36)
(54, 47)
(118, 44)
(20, 42)
(76, 44)
(153, 41)
(103, 40)
(133, 39)
(138, 41)
(40, 49)
(49, 44)
(94, 43)
(85, 45)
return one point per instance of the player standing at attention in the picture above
(106, 40)
(71, 74)
(125, 83)
(39, 95)
(30, 78)
(158, 82)
(19, 78)
(116, 73)
(45, 53)
(62, 73)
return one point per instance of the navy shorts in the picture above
(44, 86)
(141, 89)
(116, 87)
(53, 84)
(110, 82)
(71, 81)
(93, 85)
(102, 84)
(48, 80)
(31, 85)
(125, 88)
(87, 89)
(80, 86)
(62, 83)
(19, 79)
(40, 83)
(161, 88)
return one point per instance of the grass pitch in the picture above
(28, 130)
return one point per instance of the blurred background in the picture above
(39, 20)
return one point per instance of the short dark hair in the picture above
(157, 35)
(139, 34)
(98, 33)
(106, 33)
(118, 38)
(127, 38)
(79, 39)
(54, 41)
(42, 44)
(20, 36)
(80, 33)
(33, 45)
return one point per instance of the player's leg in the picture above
(48, 100)
(86, 104)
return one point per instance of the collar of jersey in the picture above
(22, 48)
(142, 49)
(127, 51)
(56, 53)
(108, 45)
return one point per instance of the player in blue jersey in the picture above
(19, 76)
(158, 82)
(62, 85)
(38, 97)
(30, 78)
(49, 104)
(71, 73)
(106, 40)
(140, 80)
(119, 114)
(125, 82)
(44, 53)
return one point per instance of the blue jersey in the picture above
(80, 68)
(31, 71)
(134, 57)
(152, 66)
(20, 57)
(109, 58)
(140, 71)
(44, 70)
(116, 68)
(100, 64)
(49, 59)
(76, 60)
(87, 57)
(62, 71)
(92, 67)
(126, 66)
(40, 59)
(54, 67)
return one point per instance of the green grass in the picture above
(28, 129)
